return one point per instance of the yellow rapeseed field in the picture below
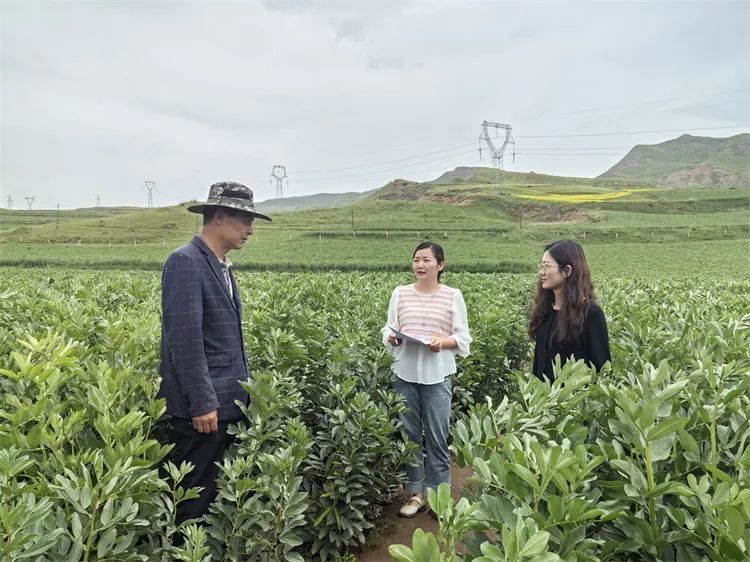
(580, 197)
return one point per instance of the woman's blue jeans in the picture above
(427, 421)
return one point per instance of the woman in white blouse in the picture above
(433, 327)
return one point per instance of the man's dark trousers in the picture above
(203, 450)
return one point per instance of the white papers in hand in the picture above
(413, 338)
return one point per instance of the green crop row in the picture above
(648, 461)
(316, 460)
(321, 452)
(626, 256)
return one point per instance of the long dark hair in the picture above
(577, 293)
(437, 251)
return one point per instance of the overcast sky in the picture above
(99, 96)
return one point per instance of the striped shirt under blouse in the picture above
(442, 314)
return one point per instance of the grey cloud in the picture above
(351, 20)
(378, 63)
(107, 95)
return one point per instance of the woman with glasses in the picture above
(565, 318)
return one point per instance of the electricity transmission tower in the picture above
(278, 173)
(497, 152)
(30, 201)
(10, 203)
(150, 187)
(98, 201)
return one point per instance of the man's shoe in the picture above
(416, 504)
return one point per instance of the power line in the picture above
(648, 102)
(569, 153)
(629, 132)
(581, 148)
(538, 151)
(381, 176)
(395, 169)
(379, 173)
(374, 164)
(442, 151)
(374, 175)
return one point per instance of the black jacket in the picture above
(592, 346)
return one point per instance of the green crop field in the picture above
(648, 462)
(700, 259)
(651, 232)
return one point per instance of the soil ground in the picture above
(397, 530)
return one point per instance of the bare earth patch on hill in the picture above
(704, 175)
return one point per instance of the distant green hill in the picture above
(688, 161)
(10, 219)
(316, 201)
(482, 175)
(463, 200)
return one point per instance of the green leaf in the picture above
(546, 557)
(106, 515)
(85, 497)
(672, 390)
(731, 551)
(425, 546)
(76, 527)
(525, 474)
(688, 442)
(662, 449)
(499, 510)
(106, 542)
(401, 553)
(735, 522)
(666, 427)
(536, 544)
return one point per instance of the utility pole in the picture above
(10, 203)
(57, 222)
(497, 152)
(278, 173)
(150, 187)
(30, 200)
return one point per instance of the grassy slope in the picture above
(20, 217)
(316, 201)
(481, 226)
(651, 163)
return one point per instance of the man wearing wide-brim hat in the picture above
(202, 347)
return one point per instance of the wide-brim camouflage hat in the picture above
(231, 195)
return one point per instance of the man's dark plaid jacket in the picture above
(202, 348)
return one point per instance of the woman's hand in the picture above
(393, 340)
(438, 344)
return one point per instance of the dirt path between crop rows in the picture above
(399, 531)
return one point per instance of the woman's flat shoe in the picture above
(415, 505)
